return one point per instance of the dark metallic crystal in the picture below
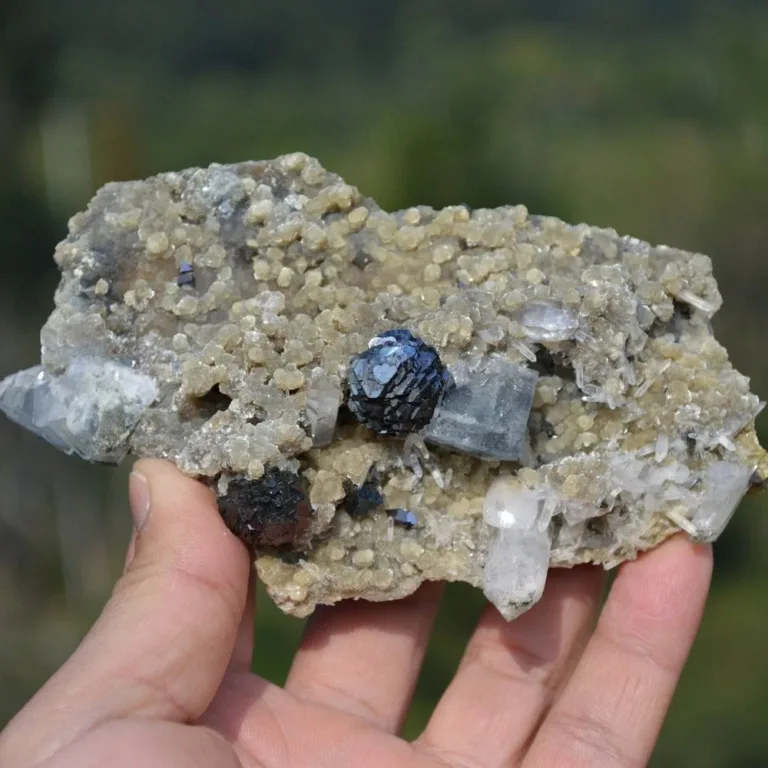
(362, 499)
(396, 384)
(186, 274)
(403, 517)
(268, 512)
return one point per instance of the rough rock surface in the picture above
(209, 317)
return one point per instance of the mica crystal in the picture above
(532, 394)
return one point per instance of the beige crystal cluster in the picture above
(209, 317)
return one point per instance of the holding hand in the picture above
(164, 676)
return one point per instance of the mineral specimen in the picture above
(403, 517)
(186, 274)
(268, 512)
(222, 318)
(363, 499)
(486, 413)
(396, 384)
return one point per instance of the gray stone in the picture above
(486, 413)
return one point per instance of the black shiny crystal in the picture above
(395, 385)
(186, 274)
(362, 499)
(268, 512)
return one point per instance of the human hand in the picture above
(163, 678)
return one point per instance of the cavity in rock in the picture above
(362, 499)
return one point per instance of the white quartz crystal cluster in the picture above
(210, 316)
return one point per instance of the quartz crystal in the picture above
(545, 321)
(518, 558)
(216, 317)
(323, 401)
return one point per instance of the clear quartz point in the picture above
(323, 399)
(548, 321)
(516, 568)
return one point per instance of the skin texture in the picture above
(163, 678)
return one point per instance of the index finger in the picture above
(613, 706)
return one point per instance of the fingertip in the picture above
(158, 489)
(677, 556)
(164, 477)
(182, 527)
(669, 583)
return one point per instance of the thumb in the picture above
(162, 644)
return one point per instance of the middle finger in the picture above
(509, 672)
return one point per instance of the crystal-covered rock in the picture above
(89, 410)
(209, 316)
(486, 413)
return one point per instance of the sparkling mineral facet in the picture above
(209, 317)
(547, 321)
(403, 517)
(396, 384)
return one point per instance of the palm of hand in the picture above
(163, 678)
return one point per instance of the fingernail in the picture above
(138, 495)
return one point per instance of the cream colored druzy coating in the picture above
(639, 426)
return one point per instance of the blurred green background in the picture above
(650, 116)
